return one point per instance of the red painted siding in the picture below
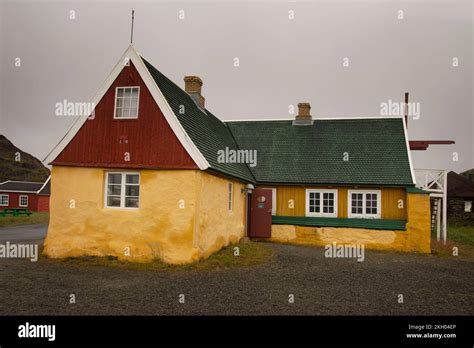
(150, 140)
(43, 204)
(14, 200)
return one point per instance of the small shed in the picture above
(460, 198)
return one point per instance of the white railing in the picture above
(435, 182)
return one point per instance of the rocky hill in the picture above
(28, 168)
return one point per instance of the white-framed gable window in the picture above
(23, 201)
(364, 204)
(321, 202)
(122, 190)
(126, 102)
(231, 196)
(3, 200)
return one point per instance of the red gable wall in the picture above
(149, 139)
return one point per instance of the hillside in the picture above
(29, 168)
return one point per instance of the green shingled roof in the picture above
(314, 154)
(207, 132)
(290, 154)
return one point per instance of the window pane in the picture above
(113, 201)
(135, 92)
(120, 92)
(127, 92)
(133, 112)
(115, 178)
(356, 203)
(126, 112)
(114, 190)
(132, 190)
(131, 202)
(119, 102)
(118, 113)
(132, 179)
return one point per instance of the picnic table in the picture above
(15, 212)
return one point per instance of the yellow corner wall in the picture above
(217, 226)
(416, 238)
(80, 225)
(389, 202)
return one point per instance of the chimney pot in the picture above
(304, 117)
(192, 85)
(303, 111)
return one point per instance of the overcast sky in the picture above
(283, 61)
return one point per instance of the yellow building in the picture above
(153, 174)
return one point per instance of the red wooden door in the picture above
(261, 213)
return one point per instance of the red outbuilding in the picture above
(23, 194)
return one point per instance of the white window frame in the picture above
(19, 201)
(364, 215)
(115, 103)
(1, 200)
(467, 206)
(230, 197)
(321, 192)
(122, 190)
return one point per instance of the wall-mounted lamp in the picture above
(248, 189)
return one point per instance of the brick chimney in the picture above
(192, 85)
(304, 117)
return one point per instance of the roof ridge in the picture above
(319, 119)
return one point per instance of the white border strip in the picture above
(412, 171)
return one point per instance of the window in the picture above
(231, 195)
(23, 201)
(364, 204)
(4, 200)
(321, 203)
(468, 206)
(122, 190)
(126, 102)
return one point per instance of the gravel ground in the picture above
(430, 286)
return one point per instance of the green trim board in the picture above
(375, 224)
(414, 189)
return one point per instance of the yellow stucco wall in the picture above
(81, 225)
(416, 238)
(217, 225)
(389, 202)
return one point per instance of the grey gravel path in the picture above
(430, 286)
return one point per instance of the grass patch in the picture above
(35, 218)
(459, 236)
(250, 254)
